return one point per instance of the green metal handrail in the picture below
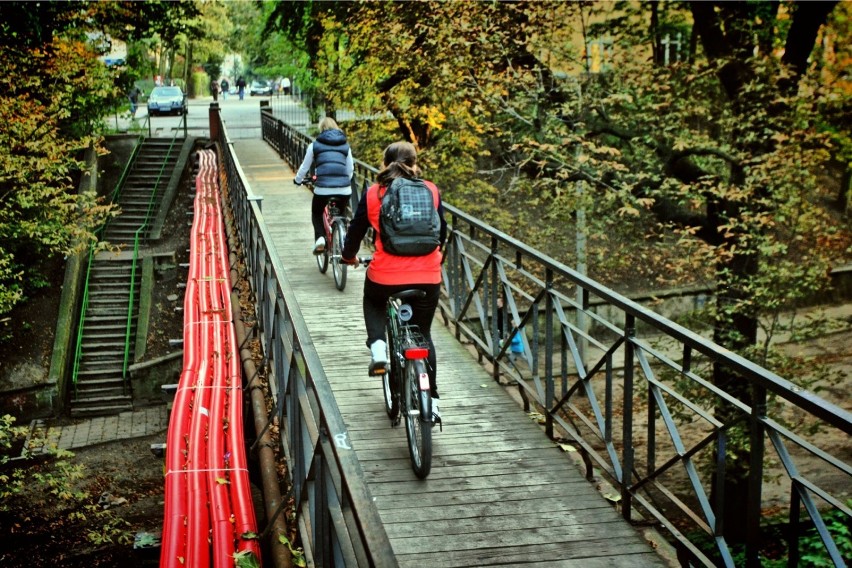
(116, 193)
(136, 238)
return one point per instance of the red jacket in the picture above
(386, 268)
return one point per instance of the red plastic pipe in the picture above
(209, 513)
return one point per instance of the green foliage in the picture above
(693, 185)
(811, 548)
(774, 553)
(246, 559)
(50, 103)
(107, 527)
(297, 554)
(58, 482)
(9, 436)
(200, 83)
(271, 53)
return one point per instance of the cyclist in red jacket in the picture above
(387, 273)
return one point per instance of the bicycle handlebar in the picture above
(307, 182)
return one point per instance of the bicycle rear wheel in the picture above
(338, 233)
(418, 423)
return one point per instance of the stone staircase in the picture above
(101, 388)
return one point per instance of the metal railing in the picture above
(84, 303)
(137, 237)
(339, 523)
(609, 376)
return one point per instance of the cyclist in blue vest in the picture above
(331, 158)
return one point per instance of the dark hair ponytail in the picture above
(400, 160)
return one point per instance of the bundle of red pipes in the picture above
(209, 515)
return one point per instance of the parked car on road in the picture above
(169, 100)
(261, 88)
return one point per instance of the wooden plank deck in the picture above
(500, 493)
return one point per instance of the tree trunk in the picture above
(171, 71)
(736, 329)
(845, 190)
(655, 33)
(807, 20)
(727, 34)
(187, 70)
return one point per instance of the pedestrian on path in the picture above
(133, 97)
(241, 87)
(225, 86)
(214, 89)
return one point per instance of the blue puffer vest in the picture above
(330, 151)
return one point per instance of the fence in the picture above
(338, 521)
(609, 377)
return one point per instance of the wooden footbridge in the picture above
(591, 369)
(500, 492)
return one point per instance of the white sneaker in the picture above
(319, 246)
(379, 363)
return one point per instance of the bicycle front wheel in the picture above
(338, 233)
(322, 260)
(418, 425)
(390, 380)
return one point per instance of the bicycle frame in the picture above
(331, 213)
(409, 344)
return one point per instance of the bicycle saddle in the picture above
(415, 293)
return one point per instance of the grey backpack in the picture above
(408, 220)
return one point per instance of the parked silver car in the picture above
(169, 100)
(261, 88)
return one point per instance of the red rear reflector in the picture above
(416, 353)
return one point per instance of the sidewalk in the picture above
(88, 432)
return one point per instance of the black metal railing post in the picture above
(755, 476)
(548, 352)
(495, 308)
(627, 417)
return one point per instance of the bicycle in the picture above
(335, 222)
(406, 381)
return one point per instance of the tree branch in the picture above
(704, 151)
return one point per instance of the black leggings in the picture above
(375, 311)
(317, 206)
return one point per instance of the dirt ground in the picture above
(119, 497)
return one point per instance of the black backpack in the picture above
(408, 220)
